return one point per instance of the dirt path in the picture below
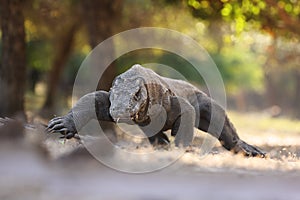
(28, 173)
(25, 174)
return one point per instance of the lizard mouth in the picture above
(140, 119)
(123, 120)
(140, 116)
(137, 118)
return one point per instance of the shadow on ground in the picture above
(48, 168)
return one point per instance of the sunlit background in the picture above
(255, 45)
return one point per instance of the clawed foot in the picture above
(64, 125)
(159, 139)
(248, 150)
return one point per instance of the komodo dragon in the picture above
(140, 96)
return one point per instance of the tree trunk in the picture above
(13, 67)
(101, 18)
(241, 101)
(270, 83)
(64, 48)
(271, 88)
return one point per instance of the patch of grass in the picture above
(262, 123)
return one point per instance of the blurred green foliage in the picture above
(270, 15)
(240, 71)
(36, 48)
(255, 44)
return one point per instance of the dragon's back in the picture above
(157, 84)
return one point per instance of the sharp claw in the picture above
(76, 137)
(52, 131)
(70, 135)
(58, 126)
(50, 126)
(62, 130)
(56, 118)
(248, 150)
(257, 153)
(53, 123)
(165, 141)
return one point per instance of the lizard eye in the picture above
(137, 95)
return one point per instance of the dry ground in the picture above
(28, 172)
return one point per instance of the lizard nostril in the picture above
(112, 110)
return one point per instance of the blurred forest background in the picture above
(255, 45)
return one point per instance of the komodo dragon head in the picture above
(128, 97)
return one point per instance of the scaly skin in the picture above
(156, 104)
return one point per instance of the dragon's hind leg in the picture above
(227, 134)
